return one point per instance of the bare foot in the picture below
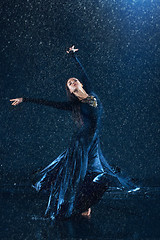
(87, 213)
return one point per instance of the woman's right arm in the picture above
(59, 105)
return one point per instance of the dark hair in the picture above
(76, 107)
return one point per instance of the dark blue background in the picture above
(119, 45)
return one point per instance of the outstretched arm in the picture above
(85, 79)
(58, 105)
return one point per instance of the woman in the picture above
(80, 175)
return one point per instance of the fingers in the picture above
(72, 49)
(15, 101)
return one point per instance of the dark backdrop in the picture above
(119, 45)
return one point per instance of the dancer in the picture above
(79, 176)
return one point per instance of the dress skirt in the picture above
(78, 178)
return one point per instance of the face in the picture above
(74, 84)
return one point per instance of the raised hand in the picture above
(72, 49)
(16, 101)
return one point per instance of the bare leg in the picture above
(87, 213)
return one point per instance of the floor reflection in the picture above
(117, 216)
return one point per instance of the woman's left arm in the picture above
(85, 79)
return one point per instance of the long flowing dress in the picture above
(80, 175)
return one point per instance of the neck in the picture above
(81, 94)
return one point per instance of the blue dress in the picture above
(80, 175)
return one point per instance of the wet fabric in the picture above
(80, 175)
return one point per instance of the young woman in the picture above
(80, 175)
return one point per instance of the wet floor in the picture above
(118, 215)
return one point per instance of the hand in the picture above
(16, 101)
(72, 49)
